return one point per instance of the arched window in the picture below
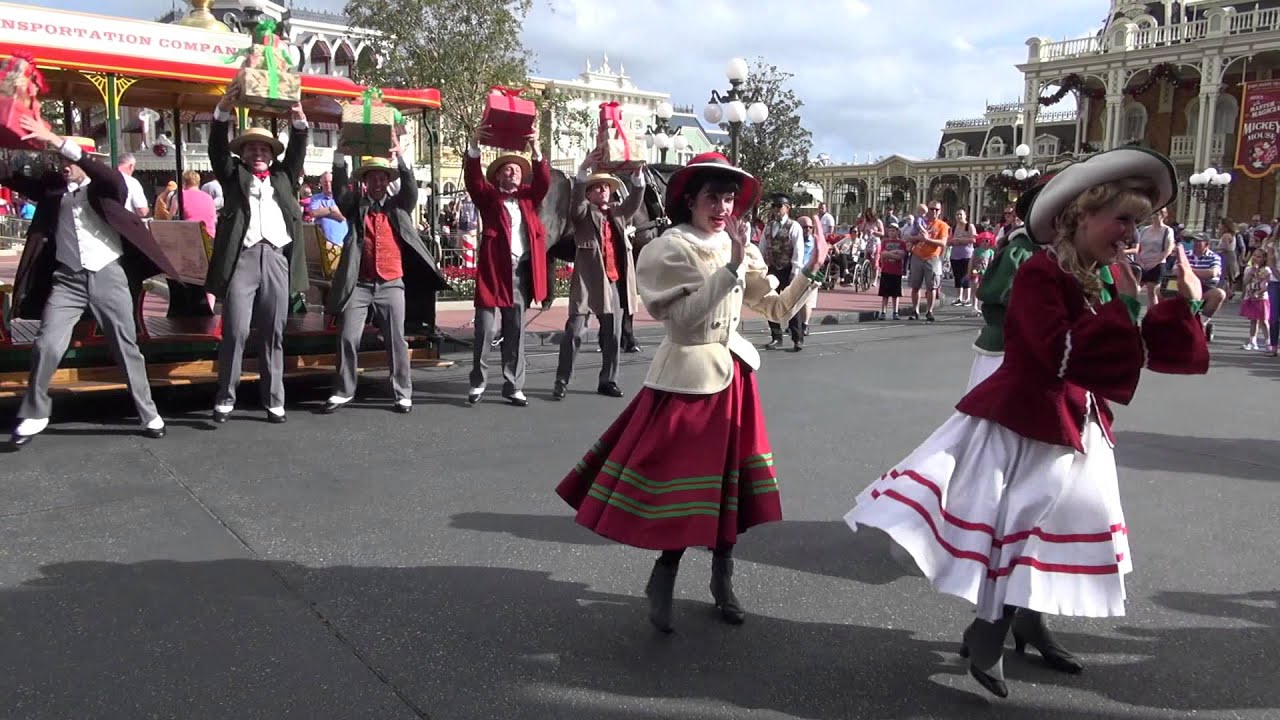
(1226, 114)
(318, 60)
(1134, 123)
(995, 147)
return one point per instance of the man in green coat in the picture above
(384, 262)
(259, 259)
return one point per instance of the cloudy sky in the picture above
(876, 76)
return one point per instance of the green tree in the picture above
(777, 150)
(460, 47)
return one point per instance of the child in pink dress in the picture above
(1255, 305)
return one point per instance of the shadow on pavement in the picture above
(819, 547)
(1247, 458)
(251, 638)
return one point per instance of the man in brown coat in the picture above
(603, 280)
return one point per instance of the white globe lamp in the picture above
(736, 71)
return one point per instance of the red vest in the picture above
(608, 250)
(1064, 358)
(380, 254)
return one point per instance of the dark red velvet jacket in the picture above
(493, 259)
(1061, 355)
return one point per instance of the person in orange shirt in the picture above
(926, 267)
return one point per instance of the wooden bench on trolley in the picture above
(182, 350)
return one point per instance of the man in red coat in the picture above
(511, 268)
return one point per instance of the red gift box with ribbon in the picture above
(21, 84)
(618, 153)
(510, 119)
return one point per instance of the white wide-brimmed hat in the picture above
(1066, 185)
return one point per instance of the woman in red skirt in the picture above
(688, 462)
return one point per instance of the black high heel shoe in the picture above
(1029, 629)
(992, 682)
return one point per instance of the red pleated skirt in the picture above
(678, 470)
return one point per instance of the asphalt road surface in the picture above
(373, 565)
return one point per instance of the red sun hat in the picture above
(745, 200)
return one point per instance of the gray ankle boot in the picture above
(660, 589)
(722, 590)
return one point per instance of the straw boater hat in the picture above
(87, 145)
(614, 183)
(496, 165)
(1065, 186)
(714, 161)
(254, 134)
(369, 164)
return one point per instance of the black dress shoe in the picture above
(610, 390)
(558, 392)
(798, 345)
(402, 409)
(19, 440)
(330, 408)
(632, 348)
(773, 345)
(517, 401)
(221, 417)
(275, 419)
(155, 433)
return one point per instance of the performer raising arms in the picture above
(603, 281)
(688, 462)
(1014, 501)
(383, 263)
(511, 261)
(85, 250)
(256, 262)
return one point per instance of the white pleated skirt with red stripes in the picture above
(998, 519)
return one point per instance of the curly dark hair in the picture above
(714, 180)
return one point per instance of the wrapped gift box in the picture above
(618, 153)
(367, 131)
(11, 113)
(259, 92)
(510, 119)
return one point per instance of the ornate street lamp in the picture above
(1209, 188)
(1020, 176)
(661, 136)
(731, 108)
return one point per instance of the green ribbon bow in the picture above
(369, 95)
(275, 57)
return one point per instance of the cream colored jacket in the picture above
(684, 282)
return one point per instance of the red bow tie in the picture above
(263, 175)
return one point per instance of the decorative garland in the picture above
(1164, 71)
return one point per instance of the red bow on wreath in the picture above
(160, 150)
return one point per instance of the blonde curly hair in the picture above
(1135, 196)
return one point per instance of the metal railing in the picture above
(13, 231)
(1121, 40)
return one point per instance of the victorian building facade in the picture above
(1166, 75)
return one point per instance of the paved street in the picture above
(372, 565)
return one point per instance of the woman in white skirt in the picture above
(1014, 501)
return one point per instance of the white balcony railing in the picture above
(1183, 147)
(1218, 23)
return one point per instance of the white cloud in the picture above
(879, 76)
